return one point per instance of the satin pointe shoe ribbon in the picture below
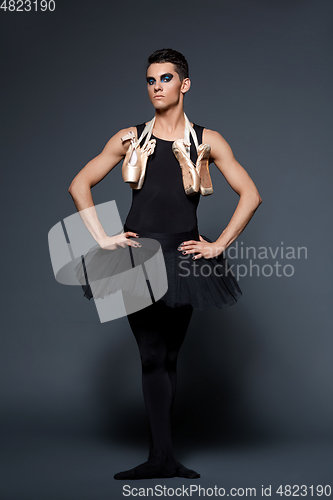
(132, 163)
(191, 179)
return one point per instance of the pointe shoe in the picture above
(202, 166)
(132, 163)
(146, 151)
(191, 179)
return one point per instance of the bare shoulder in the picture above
(219, 146)
(212, 137)
(116, 145)
(125, 131)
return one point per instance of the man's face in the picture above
(162, 80)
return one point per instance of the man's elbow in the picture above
(254, 197)
(71, 186)
(77, 185)
(72, 190)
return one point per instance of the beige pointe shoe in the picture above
(132, 163)
(202, 166)
(146, 151)
(191, 179)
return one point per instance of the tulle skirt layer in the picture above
(203, 283)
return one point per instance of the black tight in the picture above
(159, 331)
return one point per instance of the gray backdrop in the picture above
(254, 402)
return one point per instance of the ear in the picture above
(186, 84)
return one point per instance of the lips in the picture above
(156, 96)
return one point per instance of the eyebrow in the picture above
(161, 76)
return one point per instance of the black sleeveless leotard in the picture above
(161, 205)
(162, 211)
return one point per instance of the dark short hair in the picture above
(172, 56)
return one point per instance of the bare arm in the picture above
(241, 183)
(90, 175)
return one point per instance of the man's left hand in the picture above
(201, 248)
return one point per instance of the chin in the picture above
(157, 105)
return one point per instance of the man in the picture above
(160, 329)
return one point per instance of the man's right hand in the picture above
(119, 240)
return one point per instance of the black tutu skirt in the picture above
(203, 283)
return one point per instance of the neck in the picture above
(169, 121)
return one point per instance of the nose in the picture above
(157, 86)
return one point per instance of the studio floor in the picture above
(63, 466)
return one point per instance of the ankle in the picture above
(162, 457)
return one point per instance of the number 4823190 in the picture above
(28, 5)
